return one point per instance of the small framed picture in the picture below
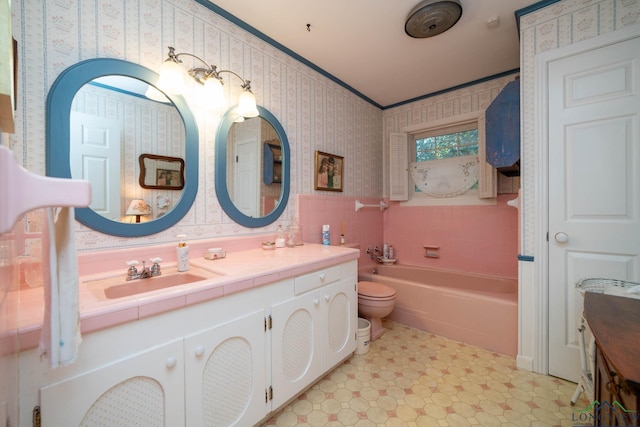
(168, 178)
(161, 172)
(329, 172)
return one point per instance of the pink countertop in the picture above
(239, 270)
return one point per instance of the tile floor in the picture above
(414, 378)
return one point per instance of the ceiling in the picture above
(362, 43)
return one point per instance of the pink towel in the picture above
(61, 327)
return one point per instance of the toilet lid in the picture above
(375, 290)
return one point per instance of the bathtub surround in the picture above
(479, 239)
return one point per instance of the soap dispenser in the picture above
(182, 253)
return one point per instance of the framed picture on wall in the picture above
(328, 172)
(168, 178)
(161, 172)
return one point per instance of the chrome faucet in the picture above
(133, 272)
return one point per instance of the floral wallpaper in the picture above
(560, 24)
(316, 113)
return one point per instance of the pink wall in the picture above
(479, 239)
(364, 227)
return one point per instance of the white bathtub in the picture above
(473, 308)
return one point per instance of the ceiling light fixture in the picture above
(172, 80)
(432, 17)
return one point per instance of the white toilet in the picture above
(375, 301)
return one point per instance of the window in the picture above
(446, 143)
(449, 141)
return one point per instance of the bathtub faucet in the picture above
(372, 252)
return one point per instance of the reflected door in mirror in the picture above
(247, 164)
(95, 148)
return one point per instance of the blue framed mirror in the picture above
(252, 168)
(76, 105)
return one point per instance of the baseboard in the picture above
(524, 362)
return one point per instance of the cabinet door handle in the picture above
(327, 298)
(199, 351)
(316, 302)
(322, 277)
(171, 362)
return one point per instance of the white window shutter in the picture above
(398, 167)
(487, 174)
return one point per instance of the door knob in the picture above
(562, 237)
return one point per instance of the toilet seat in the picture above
(375, 291)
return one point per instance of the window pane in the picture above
(468, 151)
(461, 143)
(469, 137)
(425, 144)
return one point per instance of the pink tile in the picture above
(156, 307)
(107, 320)
(238, 286)
(205, 295)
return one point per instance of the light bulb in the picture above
(214, 93)
(171, 77)
(247, 105)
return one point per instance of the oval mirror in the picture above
(252, 168)
(105, 121)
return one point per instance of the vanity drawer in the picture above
(317, 279)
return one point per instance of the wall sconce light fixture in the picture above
(172, 80)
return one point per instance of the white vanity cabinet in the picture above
(227, 361)
(313, 331)
(143, 389)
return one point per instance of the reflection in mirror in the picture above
(112, 122)
(102, 114)
(253, 177)
(161, 172)
(252, 168)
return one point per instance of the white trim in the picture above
(470, 198)
(448, 121)
(541, 130)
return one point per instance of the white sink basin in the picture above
(118, 287)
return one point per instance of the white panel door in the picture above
(246, 194)
(95, 157)
(594, 184)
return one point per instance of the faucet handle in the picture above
(155, 268)
(132, 272)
